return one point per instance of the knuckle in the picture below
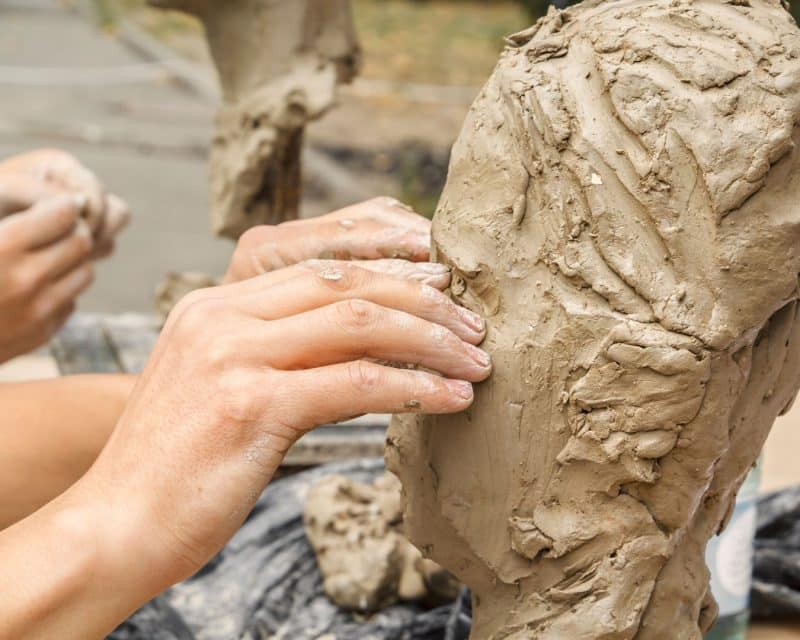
(239, 397)
(356, 316)
(192, 313)
(256, 236)
(222, 352)
(432, 300)
(365, 378)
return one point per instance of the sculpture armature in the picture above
(623, 204)
(279, 63)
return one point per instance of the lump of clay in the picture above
(623, 205)
(279, 63)
(365, 560)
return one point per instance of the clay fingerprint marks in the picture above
(624, 414)
(366, 562)
(279, 62)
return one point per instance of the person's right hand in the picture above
(239, 373)
(44, 266)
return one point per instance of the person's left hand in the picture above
(30, 177)
(380, 230)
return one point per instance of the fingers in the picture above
(320, 283)
(355, 329)
(66, 171)
(431, 273)
(390, 211)
(46, 222)
(117, 217)
(20, 192)
(341, 391)
(63, 292)
(54, 260)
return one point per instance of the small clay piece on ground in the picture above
(367, 563)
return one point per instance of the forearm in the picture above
(50, 434)
(72, 571)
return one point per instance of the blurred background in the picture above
(116, 83)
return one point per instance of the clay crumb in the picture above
(333, 275)
(347, 224)
(596, 179)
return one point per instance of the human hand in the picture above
(378, 228)
(44, 266)
(27, 178)
(239, 373)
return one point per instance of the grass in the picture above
(425, 42)
(452, 43)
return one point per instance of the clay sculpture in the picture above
(279, 63)
(623, 205)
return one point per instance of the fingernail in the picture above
(460, 388)
(80, 201)
(434, 268)
(472, 320)
(479, 356)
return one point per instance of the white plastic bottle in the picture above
(730, 559)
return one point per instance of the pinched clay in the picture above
(366, 562)
(623, 205)
(279, 64)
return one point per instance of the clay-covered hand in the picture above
(27, 178)
(239, 373)
(379, 228)
(44, 266)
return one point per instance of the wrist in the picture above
(120, 563)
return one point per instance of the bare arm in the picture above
(205, 429)
(50, 434)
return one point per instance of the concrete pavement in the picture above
(65, 83)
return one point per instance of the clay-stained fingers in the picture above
(355, 329)
(267, 249)
(19, 192)
(430, 273)
(389, 211)
(54, 260)
(319, 284)
(44, 223)
(341, 391)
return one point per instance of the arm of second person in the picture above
(51, 432)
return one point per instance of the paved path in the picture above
(65, 83)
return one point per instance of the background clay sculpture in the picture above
(279, 63)
(623, 205)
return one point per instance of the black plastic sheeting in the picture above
(265, 583)
(776, 573)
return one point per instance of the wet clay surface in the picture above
(279, 63)
(366, 562)
(622, 206)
